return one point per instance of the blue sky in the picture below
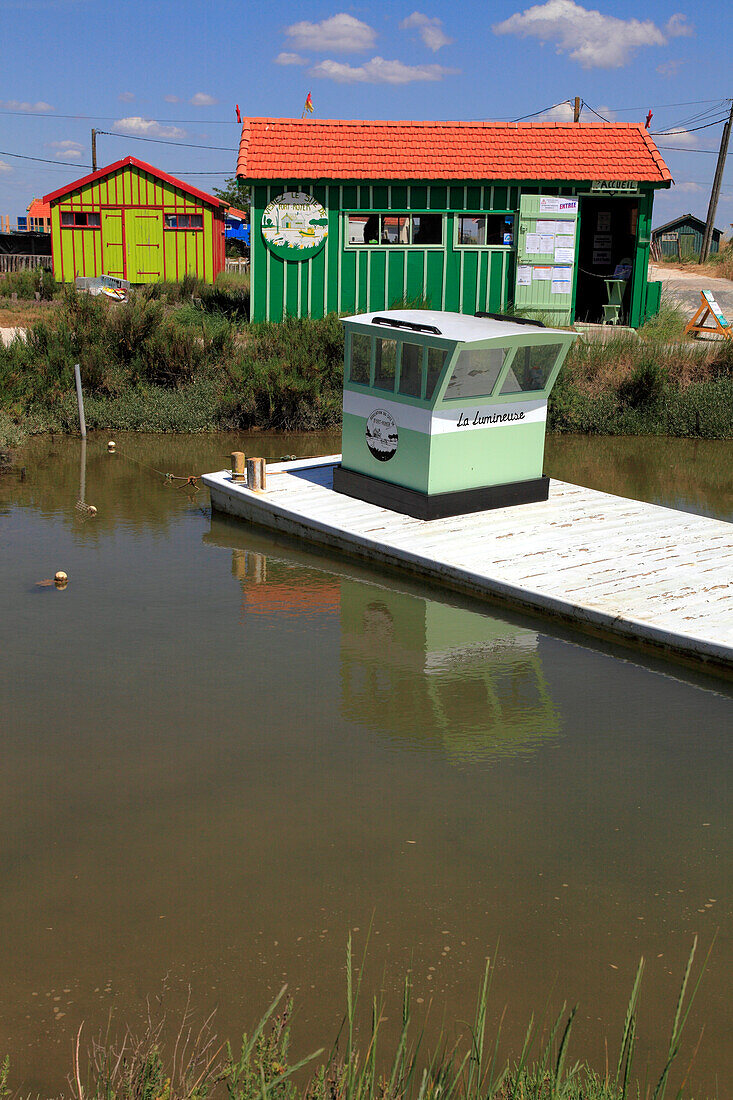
(174, 70)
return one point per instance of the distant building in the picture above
(682, 238)
(138, 223)
(237, 225)
(357, 215)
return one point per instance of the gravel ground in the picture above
(685, 286)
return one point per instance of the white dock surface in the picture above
(629, 570)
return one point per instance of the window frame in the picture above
(458, 214)
(77, 213)
(183, 228)
(383, 246)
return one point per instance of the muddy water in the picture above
(223, 752)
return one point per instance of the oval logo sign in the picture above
(294, 226)
(381, 435)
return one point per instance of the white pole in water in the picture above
(80, 402)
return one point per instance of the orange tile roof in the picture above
(315, 149)
(39, 209)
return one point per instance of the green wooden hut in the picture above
(134, 222)
(357, 216)
(681, 239)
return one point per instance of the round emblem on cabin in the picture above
(381, 435)
(294, 226)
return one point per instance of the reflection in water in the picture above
(222, 751)
(420, 670)
(423, 671)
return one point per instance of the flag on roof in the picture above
(308, 105)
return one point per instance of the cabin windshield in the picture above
(475, 372)
(531, 368)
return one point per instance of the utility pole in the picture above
(576, 109)
(715, 193)
(94, 150)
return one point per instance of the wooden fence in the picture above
(239, 265)
(23, 263)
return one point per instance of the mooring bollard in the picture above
(256, 477)
(237, 458)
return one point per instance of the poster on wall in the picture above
(294, 226)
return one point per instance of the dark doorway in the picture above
(608, 229)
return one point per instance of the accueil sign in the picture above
(618, 186)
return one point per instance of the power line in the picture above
(681, 149)
(596, 112)
(661, 106)
(691, 130)
(542, 112)
(76, 164)
(168, 141)
(114, 118)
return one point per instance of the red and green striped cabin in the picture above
(137, 223)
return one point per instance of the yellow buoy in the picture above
(61, 579)
(111, 445)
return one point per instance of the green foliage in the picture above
(4, 1072)
(147, 1067)
(668, 324)
(234, 192)
(645, 387)
(287, 376)
(26, 284)
(12, 435)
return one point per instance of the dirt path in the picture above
(684, 287)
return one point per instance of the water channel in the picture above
(222, 752)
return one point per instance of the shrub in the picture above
(26, 284)
(645, 387)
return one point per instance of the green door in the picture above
(113, 244)
(144, 244)
(546, 256)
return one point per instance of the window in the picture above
(184, 221)
(485, 230)
(531, 368)
(427, 228)
(400, 229)
(411, 370)
(476, 372)
(436, 362)
(361, 355)
(75, 219)
(385, 364)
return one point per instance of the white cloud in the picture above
(687, 186)
(171, 99)
(678, 27)
(379, 71)
(677, 137)
(68, 150)
(430, 29)
(290, 59)
(594, 40)
(202, 99)
(5, 167)
(15, 105)
(670, 68)
(126, 97)
(341, 33)
(147, 127)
